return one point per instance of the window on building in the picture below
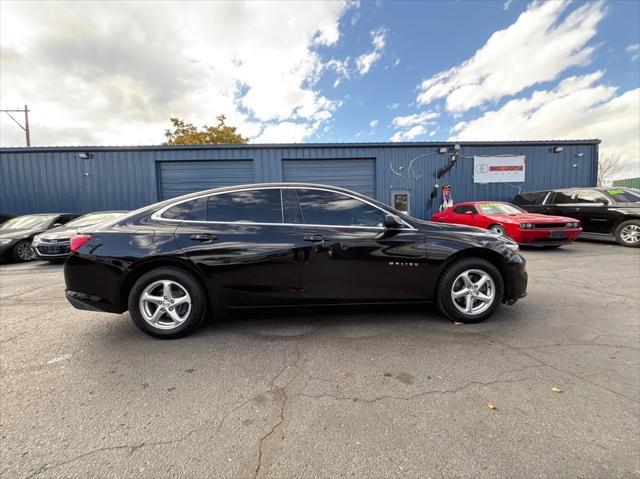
(321, 207)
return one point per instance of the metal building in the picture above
(83, 179)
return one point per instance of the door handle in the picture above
(314, 238)
(204, 237)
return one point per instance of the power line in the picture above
(25, 127)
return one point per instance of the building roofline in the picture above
(255, 146)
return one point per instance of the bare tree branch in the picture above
(608, 166)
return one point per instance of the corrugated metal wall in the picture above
(57, 179)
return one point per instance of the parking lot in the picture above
(387, 392)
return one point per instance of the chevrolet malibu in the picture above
(284, 245)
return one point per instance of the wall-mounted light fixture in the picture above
(558, 149)
(85, 156)
(456, 147)
(443, 149)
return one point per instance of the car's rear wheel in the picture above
(498, 229)
(23, 251)
(168, 302)
(470, 290)
(628, 233)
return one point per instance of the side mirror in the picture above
(55, 225)
(392, 221)
(468, 213)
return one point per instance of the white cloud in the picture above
(633, 51)
(415, 119)
(373, 123)
(536, 48)
(378, 41)
(93, 73)
(410, 134)
(285, 132)
(393, 106)
(577, 108)
(507, 4)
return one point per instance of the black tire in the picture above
(620, 235)
(498, 229)
(444, 300)
(20, 249)
(183, 278)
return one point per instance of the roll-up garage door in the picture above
(356, 175)
(182, 177)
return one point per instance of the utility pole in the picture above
(25, 127)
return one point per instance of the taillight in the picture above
(77, 241)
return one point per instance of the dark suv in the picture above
(602, 211)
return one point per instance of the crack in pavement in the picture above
(285, 398)
(572, 374)
(133, 448)
(430, 391)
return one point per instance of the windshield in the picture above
(35, 221)
(95, 218)
(624, 196)
(499, 209)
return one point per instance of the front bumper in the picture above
(547, 237)
(517, 280)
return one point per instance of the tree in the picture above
(608, 166)
(187, 134)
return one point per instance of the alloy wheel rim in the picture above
(165, 304)
(630, 234)
(497, 229)
(25, 251)
(473, 292)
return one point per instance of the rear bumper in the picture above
(88, 302)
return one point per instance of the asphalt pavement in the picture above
(549, 387)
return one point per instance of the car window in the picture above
(560, 197)
(256, 206)
(499, 209)
(624, 196)
(320, 207)
(462, 209)
(533, 198)
(591, 196)
(181, 211)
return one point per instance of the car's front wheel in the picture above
(23, 251)
(470, 290)
(498, 229)
(628, 233)
(168, 302)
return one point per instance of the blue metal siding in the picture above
(56, 179)
(356, 175)
(181, 177)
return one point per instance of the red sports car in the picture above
(507, 219)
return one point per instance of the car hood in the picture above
(61, 232)
(529, 218)
(19, 233)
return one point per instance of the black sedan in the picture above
(287, 244)
(53, 244)
(17, 234)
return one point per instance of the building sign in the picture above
(498, 169)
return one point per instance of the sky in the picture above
(113, 73)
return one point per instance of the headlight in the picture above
(4, 241)
(36, 239)
(526, 226)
